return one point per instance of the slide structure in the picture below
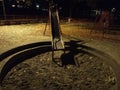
(57, 42)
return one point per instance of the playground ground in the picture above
(13, 36)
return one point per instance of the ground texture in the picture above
(41, 73)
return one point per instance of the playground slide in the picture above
(57, 42)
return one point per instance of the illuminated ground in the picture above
(19, 35)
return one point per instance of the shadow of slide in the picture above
(72, 48)
(69, 57)
(25, 52)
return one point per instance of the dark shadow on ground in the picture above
(15, 60)
(25, 52)
(73, 48)
(69, 57)
(24, 47)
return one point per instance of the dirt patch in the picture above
(41, 73)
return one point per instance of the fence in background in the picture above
(22, 19)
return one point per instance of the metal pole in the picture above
(4, 12)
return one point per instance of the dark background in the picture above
(72, 8)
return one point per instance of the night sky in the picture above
(76, 7)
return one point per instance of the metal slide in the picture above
(57, 42)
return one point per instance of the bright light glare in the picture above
(37, 6)
(13, 5)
